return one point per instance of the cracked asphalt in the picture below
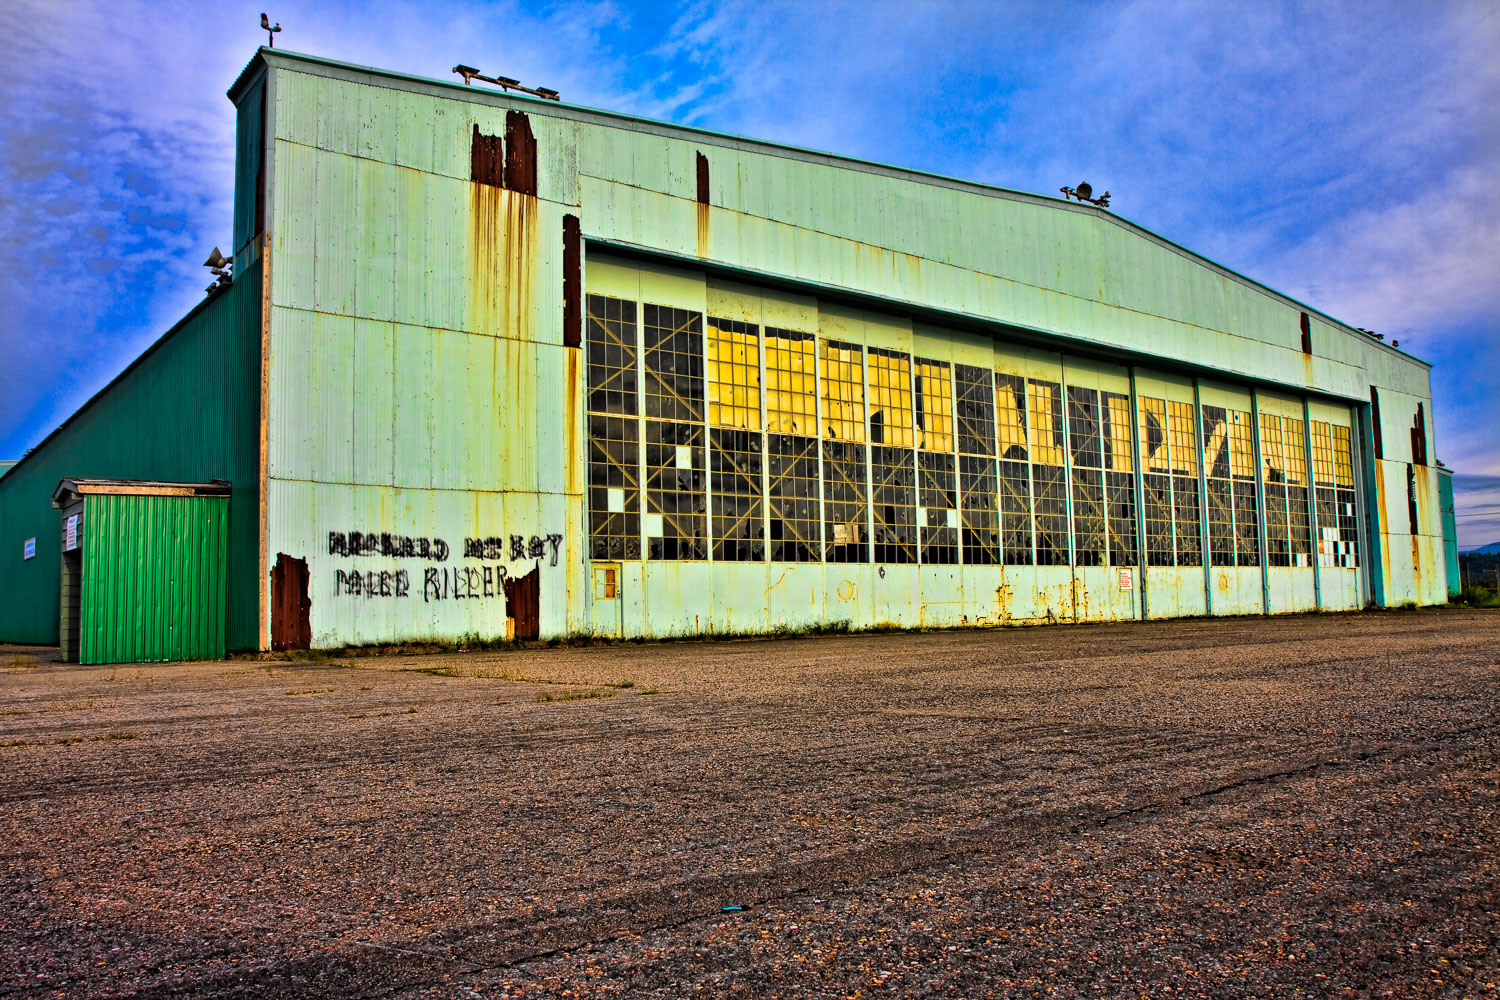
(1300, 806)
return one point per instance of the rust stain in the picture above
(1221, 582)
(520, 154)
(570, 432)
(779, 581)
(1307, 369)
(486, 159)
(846, 590)
(486, 216)
(1381, 522)
(703, 227)
(572, 283)
(1003, 595)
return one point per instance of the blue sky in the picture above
(1344, 153)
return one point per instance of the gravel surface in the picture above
(1300, 806)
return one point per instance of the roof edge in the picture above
(269, 57)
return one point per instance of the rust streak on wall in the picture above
(520, 154)
(486, 220)
(572, 282)
(702, 205)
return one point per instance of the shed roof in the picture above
(140, 488)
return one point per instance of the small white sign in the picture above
(28, 551)
(72, 534)
(1127, 580)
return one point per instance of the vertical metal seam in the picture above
(1312, 504)
(1356, 461)
(1208, 569)
(958, 510)
(1062, 390)
(818, 444)
(765, 439)
(1140, 491)
(864, 368)
(1260, 505)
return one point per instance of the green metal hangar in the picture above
(498, 365)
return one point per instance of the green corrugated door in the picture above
(153, 578)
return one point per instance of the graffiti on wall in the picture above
(439, 583)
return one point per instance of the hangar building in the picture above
(496, 364)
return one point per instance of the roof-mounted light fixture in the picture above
(1084, 192)
(470, 74)
(222, 268)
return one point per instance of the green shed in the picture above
(143, 569)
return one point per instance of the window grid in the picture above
(614, 430)
(979, 516)
(1015, 470)
(937, 520)
(1156, 482)
(1090, 547)
(1048, 474)
(791, 382)
(933, 397)
(674, 363)
(1343, 477)
(988, 478)
(733, 374)
(843, 391)
(1119, 480)
(1274, 478)
(614, 487)
(738, 527)
(1186, 503)
(1295, 447)
(792, 498)
(1242, 463)
(1217, 465)
(675, 522)
(890, 398)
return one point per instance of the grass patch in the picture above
(574, 695)
(645, 691)
(112, 737)
(310, 691)
(1477, 596)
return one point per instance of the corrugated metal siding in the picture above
(153, 578)
(247, 163)
(188, 411)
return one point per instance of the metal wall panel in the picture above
(154, 570)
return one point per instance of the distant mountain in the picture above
(1492, 549)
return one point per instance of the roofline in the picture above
(266, 57)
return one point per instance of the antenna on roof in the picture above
(265, 25)
(470, 74)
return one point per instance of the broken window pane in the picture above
(739, 534)
(673, 356)
(844, 508)
(792, 503)
(676, 492)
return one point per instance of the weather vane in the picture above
(265, 25)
